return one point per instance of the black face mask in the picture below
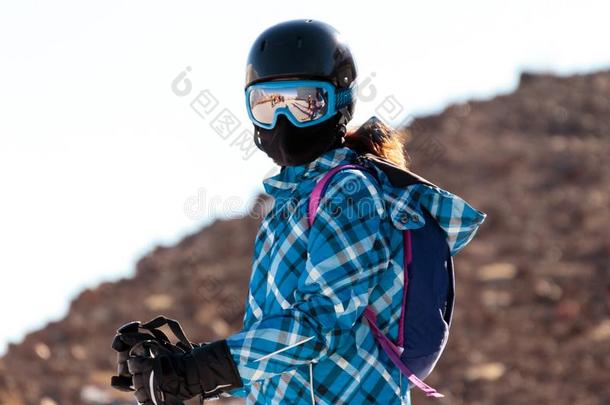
(289, 145)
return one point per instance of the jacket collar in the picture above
(290, 176)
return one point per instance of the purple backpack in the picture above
(428, 293)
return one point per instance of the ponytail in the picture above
(379, 139)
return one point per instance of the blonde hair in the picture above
(379, 139)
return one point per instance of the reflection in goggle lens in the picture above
(304, 103)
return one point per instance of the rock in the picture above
(548, 290)
(220, 327)
(497, 271)
(159, 302)
(96, 395)
(568, 309)
(485, 371)
(78, 352)
(492, 298)
(601, 332)
(42, 351)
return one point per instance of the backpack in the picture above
(428, 292)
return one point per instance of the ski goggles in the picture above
(303, 102)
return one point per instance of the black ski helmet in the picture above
(303, 49)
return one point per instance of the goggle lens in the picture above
(306, 103)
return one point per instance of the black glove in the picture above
(160, 375)
(163, 373)
(133, 333)
(127, 336)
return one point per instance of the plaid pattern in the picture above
(303, 339)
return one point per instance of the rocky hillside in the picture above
(532, 323)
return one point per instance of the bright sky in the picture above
(100, 159)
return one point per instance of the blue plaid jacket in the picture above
(303, 339)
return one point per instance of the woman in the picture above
(304, 339)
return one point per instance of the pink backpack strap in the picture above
(318, 190)
(386, 344)
(394, 352)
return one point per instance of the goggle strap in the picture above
(343, 97)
